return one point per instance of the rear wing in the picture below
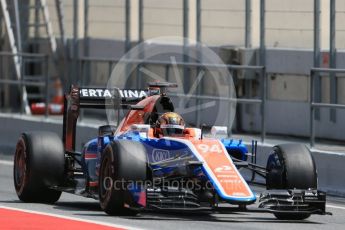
(96, 98)
(99, 98)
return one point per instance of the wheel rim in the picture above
(106, 173)
(275, 178)
(20, 169)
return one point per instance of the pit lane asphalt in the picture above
(88, 209)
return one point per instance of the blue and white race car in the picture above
(151, 160)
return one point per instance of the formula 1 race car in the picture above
(151, 161)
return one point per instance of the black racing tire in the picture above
(291, 166)
(291, 216)
(122, 161)
(39, 164)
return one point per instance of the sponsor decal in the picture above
(223, 169)
(133, 93)
(170, 126)
(106, 93)
(239, 194)
(160, 155)
(103, 93)
(231, 181)
(212, 148)
(226, 176)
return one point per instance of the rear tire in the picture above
(291, 166)
(122, 161)
(39, 163)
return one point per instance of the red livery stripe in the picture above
(93, 183)
(90, 155)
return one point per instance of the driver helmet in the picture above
(170, 124)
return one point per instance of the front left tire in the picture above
(123, 162)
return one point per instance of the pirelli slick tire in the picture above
(39, 164)
(122, 162)
(291, 166)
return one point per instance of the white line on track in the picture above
(70, 218)
(336, 207)
(4, 162)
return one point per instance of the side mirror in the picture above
(202, 128)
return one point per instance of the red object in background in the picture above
(325, 59)
(15, 219)
(56, 105)
(40, 108)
